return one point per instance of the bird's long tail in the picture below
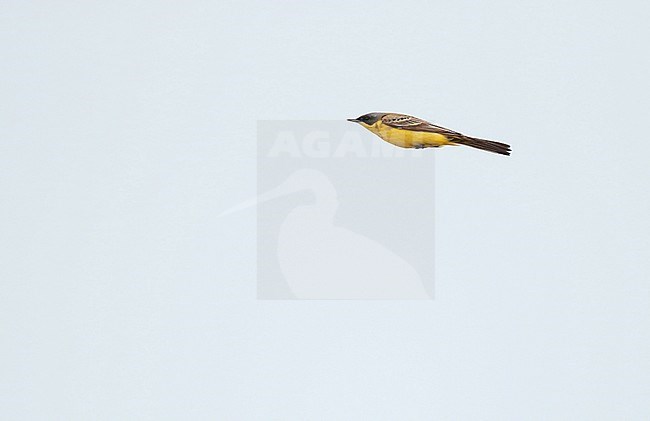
(486, 145)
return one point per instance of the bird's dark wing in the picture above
(407, 122)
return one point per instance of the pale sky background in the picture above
(127, 127)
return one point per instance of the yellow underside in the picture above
(407, 138)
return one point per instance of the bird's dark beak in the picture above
(354, 120)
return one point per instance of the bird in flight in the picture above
(407, 131)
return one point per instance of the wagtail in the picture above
(406, 131)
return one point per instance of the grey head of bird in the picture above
(368, 119)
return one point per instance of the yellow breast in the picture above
(407, 138)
